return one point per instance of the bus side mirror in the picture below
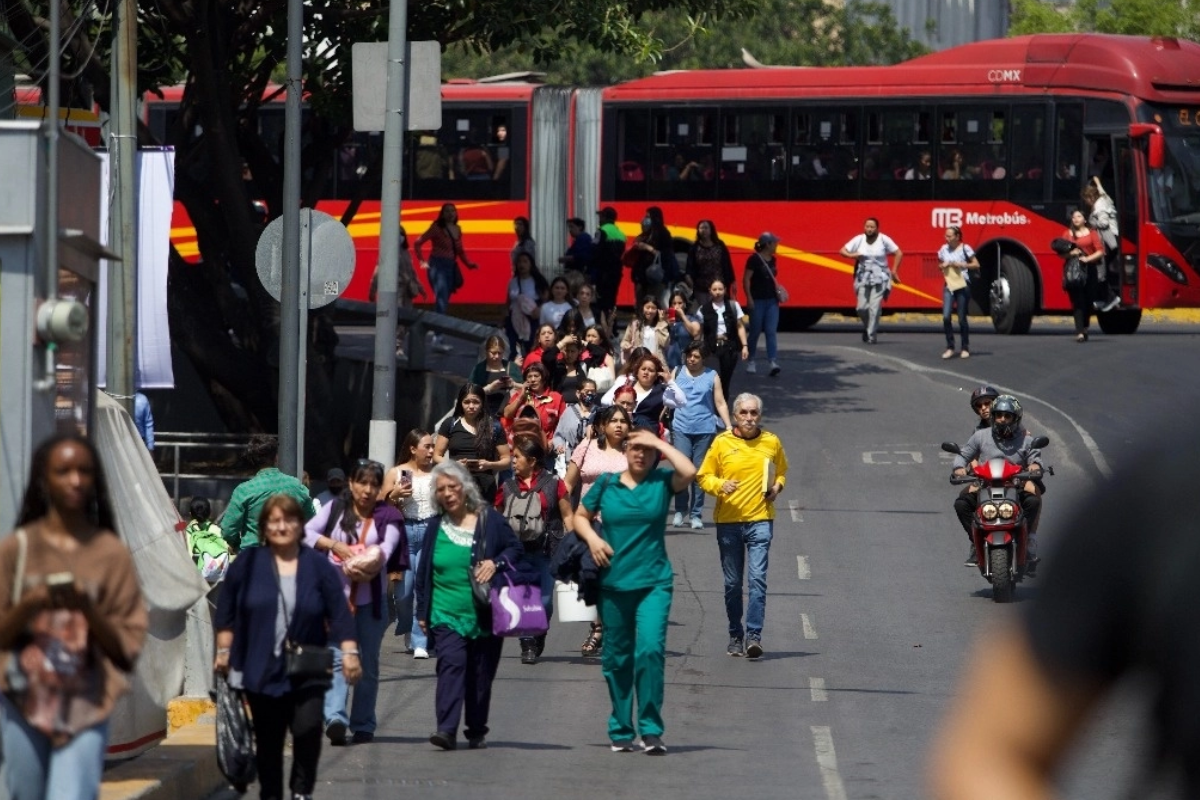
(1155, 152)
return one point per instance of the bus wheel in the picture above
(1011, 297)
(1120, 323)
(798, 319)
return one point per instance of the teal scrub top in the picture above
(635, 526)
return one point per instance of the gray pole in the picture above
(122, 151)
(382, 442)
(290, 337)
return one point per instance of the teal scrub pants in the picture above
(635, 657)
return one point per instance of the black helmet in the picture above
(1006, 403)
(983, 393)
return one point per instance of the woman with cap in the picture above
(762, 301)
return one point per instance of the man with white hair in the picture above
(745, 470)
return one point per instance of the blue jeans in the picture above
(369, 633)
(406, 612)
(441, 278)
(764, 318)
(963, 298)
(693, 446)
(736, 540)
(541, 562)
(35, 769)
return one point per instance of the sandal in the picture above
(594, 643)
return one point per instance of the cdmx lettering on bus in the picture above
(1004, 75)
(947, 217)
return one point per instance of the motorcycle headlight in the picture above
(1007, 510)
(989, 511)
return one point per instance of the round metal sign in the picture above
(326, 247)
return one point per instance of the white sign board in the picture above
(423, 71)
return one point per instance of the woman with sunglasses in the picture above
(360, 533)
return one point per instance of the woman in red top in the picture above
(1089, 249)
(538, 395)
(446, 242)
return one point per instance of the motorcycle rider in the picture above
(1005, 438)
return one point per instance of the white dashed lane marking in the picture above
(802, 569)
(817, 687)
(796, 510)
(806, 625)
(827, 760)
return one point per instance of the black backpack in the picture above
(525, 511)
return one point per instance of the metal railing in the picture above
(178, 441)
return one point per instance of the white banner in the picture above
(155, 175)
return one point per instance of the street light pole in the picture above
(291, 338)
(122, 220)
(382, 442)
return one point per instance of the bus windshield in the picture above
(1173, 189)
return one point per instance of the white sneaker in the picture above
(751, 367)
(420, 652)
(678, 519)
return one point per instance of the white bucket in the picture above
(567, 605)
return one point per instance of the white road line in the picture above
(802, 569)
(817, 687)
(806, 625)
(1092, 447)
(796, 510)
(827, 760)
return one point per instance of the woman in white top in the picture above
(559, 303)
(656, 391)
(409, 487)
(954, 259)
(649, 330)
(584, 297)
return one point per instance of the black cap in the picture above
(608, 213)
(335, 474)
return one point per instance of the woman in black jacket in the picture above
(708, 260)
(467, 538)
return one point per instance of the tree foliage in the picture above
(1131, 17)
(780, 32)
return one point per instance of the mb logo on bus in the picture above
(947, 217)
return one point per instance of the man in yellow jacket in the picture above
(745, 469)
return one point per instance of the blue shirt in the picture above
(699, 415)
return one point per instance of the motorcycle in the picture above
(999, 529)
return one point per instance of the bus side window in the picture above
(1068, 153)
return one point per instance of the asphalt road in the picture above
(870, 613)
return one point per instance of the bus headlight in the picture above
(1167, 267)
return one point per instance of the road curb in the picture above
(181, 767)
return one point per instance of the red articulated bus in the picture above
(809, 153)
(1012, 130)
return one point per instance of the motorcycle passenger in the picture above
(1008, 440)
(981, 403)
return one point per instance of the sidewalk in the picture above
(181, 767)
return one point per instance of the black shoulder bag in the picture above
(304, 662)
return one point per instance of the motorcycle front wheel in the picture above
(1002, 584)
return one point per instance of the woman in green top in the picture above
(635, 582)
(465, 539)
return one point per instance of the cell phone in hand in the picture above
(405, 476)
(61, 586)
(670, 315)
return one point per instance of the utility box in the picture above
(48, 378)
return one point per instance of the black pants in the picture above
(728, 354)
(966, 503)
(303, 712)
(1083, 298)
(465, 671)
